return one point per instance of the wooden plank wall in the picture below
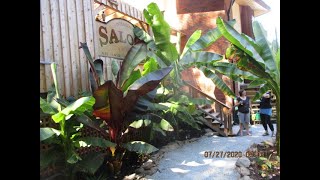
(63, 25)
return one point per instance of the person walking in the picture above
(266, 112)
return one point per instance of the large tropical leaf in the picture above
(246, 63)
(161, 31)
(256, 83)
(136, 54)
(165, 125)
(98, 65)
(238, 40)
(94, 141)
(50, 156)
(191, 58)
(161, 62)
(266, 53)
(188, 119)
(109, 106)
(263, 89)
(144, 104)
(231, 70)
(78, 107)
(193, 38)
(142, 35)
(90, 123)
(46, 107)
(150, 66)
(90, 163)
(219, 83)
(144, 85)
(209, 38)
(140, 147)
(133, 77)
(73, 158)
(115, 68)
(137, 124)
(278, 59)
(47, 132)
(95, 78)
(252, 42)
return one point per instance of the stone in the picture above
(209, 134)
(207, 130)
(245, 178)
(238, 170)
(148, 165)
(130, 177)
(139, 170)
(270, 143)
(151, 171)
(243, 161)
(244, 171)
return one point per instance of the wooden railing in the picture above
(225, 116)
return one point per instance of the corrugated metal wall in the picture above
(63, 25)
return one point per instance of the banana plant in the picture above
(66, 139)
(257, 58)
(161, 50)
(115, 101)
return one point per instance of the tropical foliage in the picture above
(66, 139)
(115, 102)
(256, 57)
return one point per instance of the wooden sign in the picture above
(115, 38)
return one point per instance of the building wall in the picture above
(63, 25)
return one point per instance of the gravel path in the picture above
(188, 161)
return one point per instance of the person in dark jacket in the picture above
(266, 112)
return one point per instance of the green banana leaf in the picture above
(142, 35)
(238, 40)
(114, 68)
(193, 38)
(165, 125)
(140, 147)
(94, 78)
(266, 54)
(256, 83)
(209, 38)
(263, 89)
(98, 64)
(231, 70)
(191, 58)
(50, 156)
(81, 105)
(219, 82)
(150, 66)
(47, 132)
(135, 75)
(137, 124)
(143, 85)
(160, 61)
(90, 163)
(94, 141)
(161, 31)
(188, 119)
(46, 107)
(137, 53)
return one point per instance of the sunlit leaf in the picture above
(137, 124)
(47, 132)
(140, 147)
(46, 108)
(165, 125)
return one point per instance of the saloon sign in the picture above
(115, 38)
